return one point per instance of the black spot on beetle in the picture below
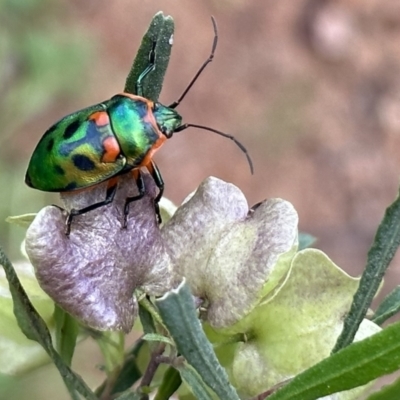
(50, 131)
(59, 170)
(71, 129)
(50, 145)
(83, 162)
(71, 186)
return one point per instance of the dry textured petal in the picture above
(93, 273)
(230, 257)
(250, 261)
(196, 227)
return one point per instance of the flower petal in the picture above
(196, 227)
(230, 257)
(93, 273)
(250, 262)
(299, 327)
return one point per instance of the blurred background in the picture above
(311, 88)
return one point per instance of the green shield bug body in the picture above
(101, 142)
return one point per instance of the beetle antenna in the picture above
(206, 128)
(209, 59)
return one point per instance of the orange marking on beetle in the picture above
(150, 154)
(135, 173)
(149, 118)
(136, 97)
(112, 181)
(111, 150)
(100, 118)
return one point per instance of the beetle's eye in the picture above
(155, 107)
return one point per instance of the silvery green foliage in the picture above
(18, 353)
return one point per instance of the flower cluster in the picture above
(243, 265)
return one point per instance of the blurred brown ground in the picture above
(311, 88)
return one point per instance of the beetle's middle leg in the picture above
(156, 175)
(110, 194)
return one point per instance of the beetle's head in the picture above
(168, 120)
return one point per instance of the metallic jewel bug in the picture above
(102, 142)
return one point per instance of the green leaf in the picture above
(129, 374)
(129, 396)
(161, 32)
(306, 240)
(389, 392)
(67, 329)
(389, 307)
(167, 209)
(154, 337)
(386, 242)
(353, 366)
(298, 327)
(23, 220)
(111, 344)
(33, 326)
(146, 319)
(179, 315)
(18, 353)
(169, 385)
(195, 383)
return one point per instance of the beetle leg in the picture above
(156, 174)
(63, 210)
(140, 184)
(110, 194)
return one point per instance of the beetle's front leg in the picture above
(141, 187)
(156, 174)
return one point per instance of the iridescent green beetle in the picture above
(104, 141)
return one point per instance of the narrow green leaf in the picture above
(389, 392)
(353, 366)
(386, 242)
(21, 220)
(34, 328)
(146, 320)
(129, 375)
(155, 337)
(160, 32)
(389, 307)
(129, 396)
(67, 329)
(179, 315)
(111, 344)
(195, 383)
(130, 372)
(169, 385)
(149, 316)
